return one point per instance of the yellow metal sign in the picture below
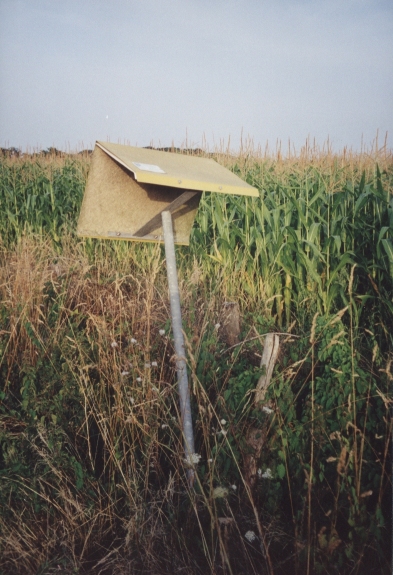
(128, 188)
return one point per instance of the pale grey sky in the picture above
(154, 71)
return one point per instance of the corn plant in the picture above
(40, 195)
(302, 236)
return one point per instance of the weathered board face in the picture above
(128, 188)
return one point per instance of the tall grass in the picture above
(92, 475)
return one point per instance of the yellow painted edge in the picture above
(162, 180)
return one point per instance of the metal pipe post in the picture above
(181, 366)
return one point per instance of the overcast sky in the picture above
(161, 71)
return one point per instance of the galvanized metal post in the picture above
(181, 366)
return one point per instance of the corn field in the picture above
(91, 470)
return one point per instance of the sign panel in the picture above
(128, 188)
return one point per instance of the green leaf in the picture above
(388, 245)
(281, 471)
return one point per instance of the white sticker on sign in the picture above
(149, 168)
